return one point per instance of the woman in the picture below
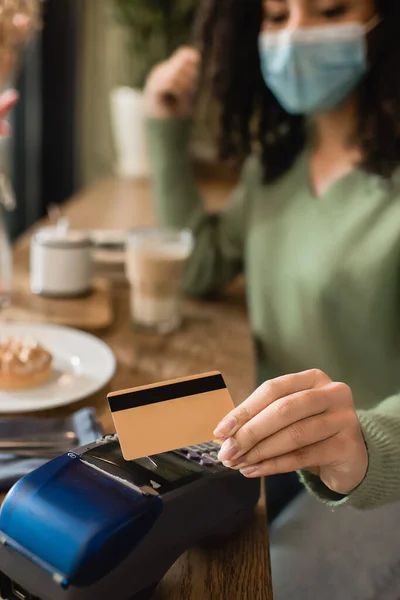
(315, 224)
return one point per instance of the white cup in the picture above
(61, 263)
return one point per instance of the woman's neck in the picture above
(335, 131)
(335, 152)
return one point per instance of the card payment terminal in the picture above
(89, 524)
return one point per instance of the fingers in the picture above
(177, 84)
(173, 80)
(180, 74)
(301, 421)
(310, 457)
(283, 413)
(288, 415)
(268, 393)
(298, 435)
(186, 56)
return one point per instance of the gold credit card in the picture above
(166, 416)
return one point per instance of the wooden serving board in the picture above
(92, 312)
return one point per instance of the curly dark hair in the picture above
(227, 33)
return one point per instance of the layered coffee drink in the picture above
(155, 264)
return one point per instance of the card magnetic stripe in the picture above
(171, 391)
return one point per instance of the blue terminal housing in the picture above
(74, 521)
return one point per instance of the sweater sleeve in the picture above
(219, 238)
(381, 485)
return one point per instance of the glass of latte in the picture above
(155, 265)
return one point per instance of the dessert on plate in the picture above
(24, 363)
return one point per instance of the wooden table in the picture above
(215, 336)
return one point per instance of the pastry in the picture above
(24, 363)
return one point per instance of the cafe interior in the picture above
(199, 234)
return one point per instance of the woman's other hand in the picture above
(300, 421)
(171, 85)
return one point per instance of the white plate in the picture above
(83, 365)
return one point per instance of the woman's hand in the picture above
(170, 86)
(300, 421)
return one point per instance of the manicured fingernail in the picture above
(231, 465)
(247, 471)
(228, 451)
(219, 441)
(227, 463)
(226, 427)
(238, 466)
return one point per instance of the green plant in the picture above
(155, 29)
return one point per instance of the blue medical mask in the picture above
(314, 70)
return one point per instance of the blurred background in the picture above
(81, 90)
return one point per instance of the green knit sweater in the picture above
(323, 283)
